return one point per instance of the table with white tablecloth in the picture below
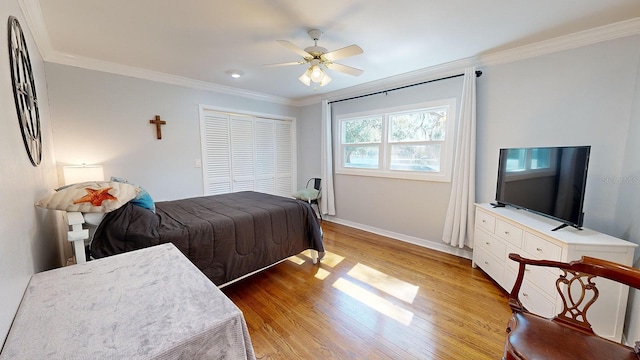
(146, 304)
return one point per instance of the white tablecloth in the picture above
(146, 304)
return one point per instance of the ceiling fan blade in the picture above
(285, 64)
(295, 49)
(350, 50)
(344, 69)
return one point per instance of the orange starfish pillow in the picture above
(93, 196)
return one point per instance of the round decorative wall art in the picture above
(24, 92)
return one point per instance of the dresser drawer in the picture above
(490, 244)
(485, 221)
(509, 278)
(540, 248)
(544, 279)
(509, 232)
(492, 266)
(534, 301)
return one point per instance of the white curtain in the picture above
(327, 201)
(458, 227)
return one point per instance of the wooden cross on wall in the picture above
(157, 122)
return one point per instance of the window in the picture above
(413, 142)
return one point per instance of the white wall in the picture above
(308, 131)
(584, 96)
(413, 208)
(627, 221)
(29, 236)
(101, 118)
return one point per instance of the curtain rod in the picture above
(478, 74)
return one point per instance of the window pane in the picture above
(516, 160)
(361, 131)
(415, 157)
(540, 158)
(363, 157)
(425, 125)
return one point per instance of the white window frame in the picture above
(446, 151)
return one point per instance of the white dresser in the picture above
(500, 231)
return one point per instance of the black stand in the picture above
(560, 227)
(564, 226)
(497, 205)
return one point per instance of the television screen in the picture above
(546, 180)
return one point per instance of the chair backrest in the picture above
(575, 285)
(316, 183)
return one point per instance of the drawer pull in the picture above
(488, 243)
(506, 233)
(525, 294)
(539, 249)
(486, 263)
(484, 221)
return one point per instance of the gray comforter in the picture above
(225, 236)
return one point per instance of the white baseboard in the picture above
(430, 244)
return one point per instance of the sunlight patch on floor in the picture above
(383, 282)
(322, 274)
(296, 260)
(331, 259)
(374, 301)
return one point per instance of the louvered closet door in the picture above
(216, 153)
(246, 153)
(284, 147)
(265, 155)
(242, 153)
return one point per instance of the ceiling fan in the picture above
(318, 57)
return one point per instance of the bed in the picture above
(225, 236)
(228, 237)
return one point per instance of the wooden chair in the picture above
(568, 335)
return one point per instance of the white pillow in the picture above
(93, 218)
(90, 197)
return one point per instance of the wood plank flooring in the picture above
(373, 298)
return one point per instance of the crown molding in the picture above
(125, 70)
(33, 16)
(567, 42)
(571, 41)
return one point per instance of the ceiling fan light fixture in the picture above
(316, 73)
(325, 80)
(306, 77)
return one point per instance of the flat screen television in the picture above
(549, 181)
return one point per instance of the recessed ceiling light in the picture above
(234, 73)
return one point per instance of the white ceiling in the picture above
(202, 39)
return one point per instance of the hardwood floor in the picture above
(373, 298)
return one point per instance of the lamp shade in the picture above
(306, 77)
(80, 173)
(316, 73)
(325, 80)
